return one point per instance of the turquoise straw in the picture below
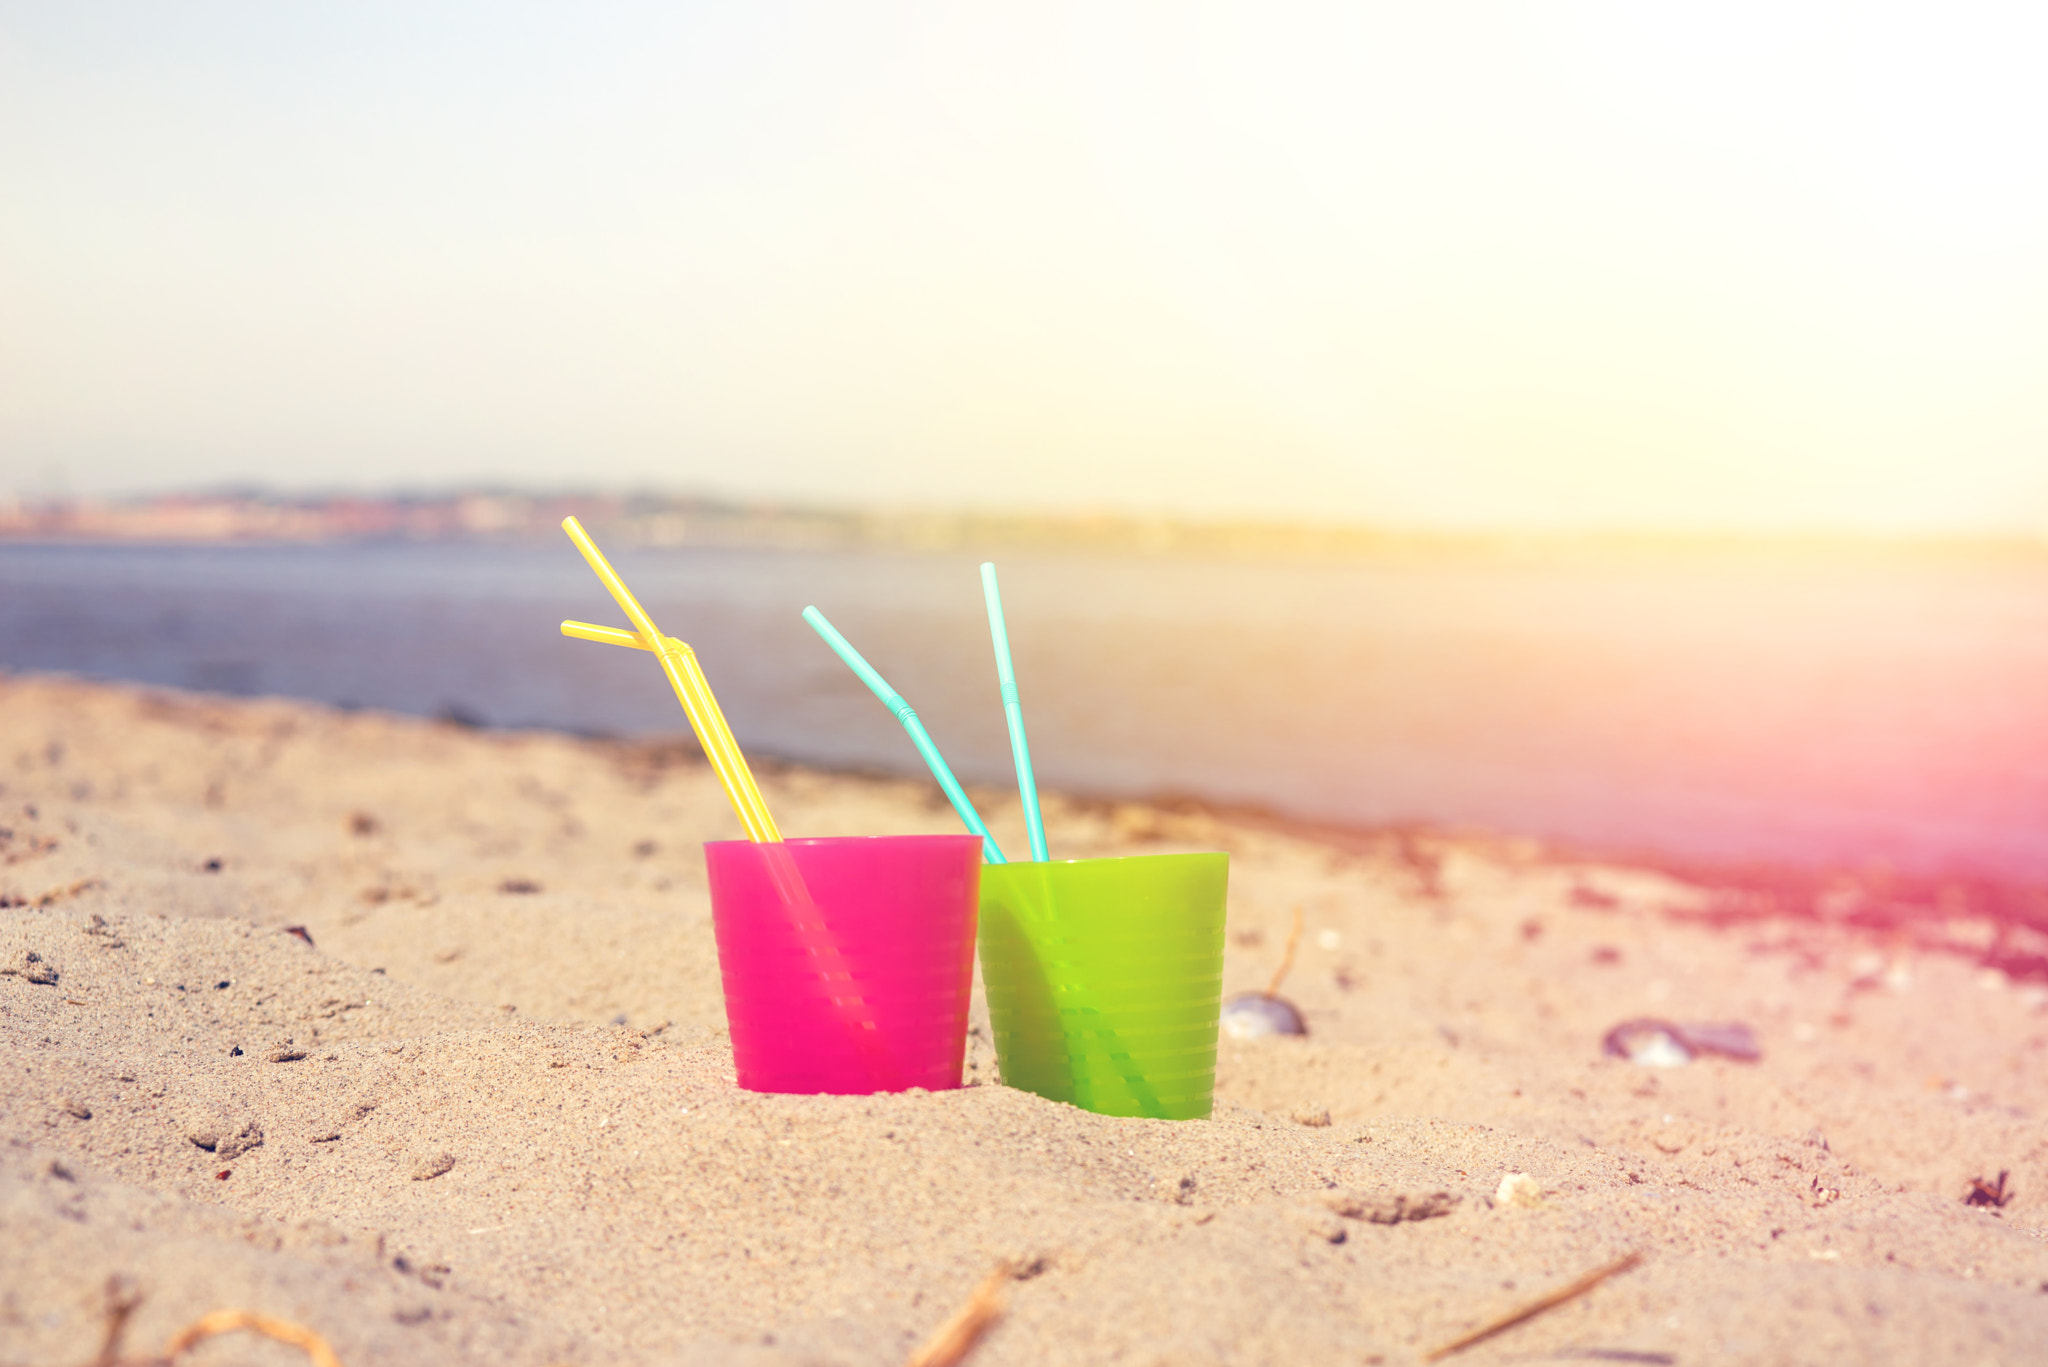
(1013, 713)
(919, 737)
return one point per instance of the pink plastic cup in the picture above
(847, 962)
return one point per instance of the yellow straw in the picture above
(679, 662)
(706, 718)
(612, 636)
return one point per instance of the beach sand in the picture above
(462, 988)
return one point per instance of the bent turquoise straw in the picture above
(1013, 713)
(919, 737)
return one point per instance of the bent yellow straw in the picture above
(614, 636)
(706, 717)
(679, 662)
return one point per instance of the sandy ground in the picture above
(497, 1121)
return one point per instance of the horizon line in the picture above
(502, 510)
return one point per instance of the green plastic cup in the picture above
(1104, 978)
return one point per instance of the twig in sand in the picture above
(1286, 956)
(228, 1321)
(122, 1302)
(55, 895)
(952, 1341)
(1537, 1307)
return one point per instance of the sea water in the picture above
(1887, 711)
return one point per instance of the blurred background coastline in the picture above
(1832, 725)
(657, 519)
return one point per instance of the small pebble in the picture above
(1652, 1043)
(1730, 1039)
(1647, 1046)
(1315, 1117)
(1518, 1189)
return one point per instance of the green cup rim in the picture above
(986, 869)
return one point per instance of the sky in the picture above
(1730, 267)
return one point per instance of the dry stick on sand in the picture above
(947, 1347)
(123, 1300)
(1537, 1307)
(55, 895)
(1287, 956)
(228, 1321)
(952, 1341)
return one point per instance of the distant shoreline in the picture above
(650, 521)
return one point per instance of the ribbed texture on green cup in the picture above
(1104, 978)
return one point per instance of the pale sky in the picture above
(1729, 266)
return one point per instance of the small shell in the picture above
(1250, 1015)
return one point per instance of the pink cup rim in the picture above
(843, 839)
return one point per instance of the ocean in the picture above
(1862, 712)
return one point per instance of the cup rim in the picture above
(1112, 859)
(849, 839)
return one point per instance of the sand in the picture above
(498, 1124)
